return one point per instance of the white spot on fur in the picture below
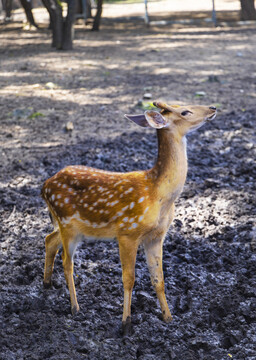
(125, 219)
(64, 186)
(66, 200)
(141, 217)
(59, 196)
(132, 205)
(118, 182)
(102, 200)
(129, 190)
(141, 199)
(146, 210)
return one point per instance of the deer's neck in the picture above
(170, 169)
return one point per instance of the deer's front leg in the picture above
(52, 245)
(128, 250)
(153, 251)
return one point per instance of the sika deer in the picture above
(135, 207)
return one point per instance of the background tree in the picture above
(62, 28)
(27, 6)
(7, 7)
(96, 22)
(248, 11)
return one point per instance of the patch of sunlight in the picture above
(238, 46)
(8, 74)
(169, 71)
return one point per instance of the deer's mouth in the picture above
(211, 117)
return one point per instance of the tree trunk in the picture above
(248, 11)
(7, 6)
(27, 6)
(68, 29)
(57, 25)
(96, 22)
(56, 20)
(62, 30)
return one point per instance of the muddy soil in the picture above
(209, 254)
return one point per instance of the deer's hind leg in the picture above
(69, 241)
(52, 246)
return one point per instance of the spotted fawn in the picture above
(135, 207)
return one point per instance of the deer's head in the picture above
(183, 119)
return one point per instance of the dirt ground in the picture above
(209, 254)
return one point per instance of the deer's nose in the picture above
(213, 108)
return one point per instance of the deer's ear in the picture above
(155, 119)
(138, 119)
(150, 118)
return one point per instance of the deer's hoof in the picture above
(75, 310)
(127, 327)
(47, 285)
(167, 317)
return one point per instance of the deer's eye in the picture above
(186, 112)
